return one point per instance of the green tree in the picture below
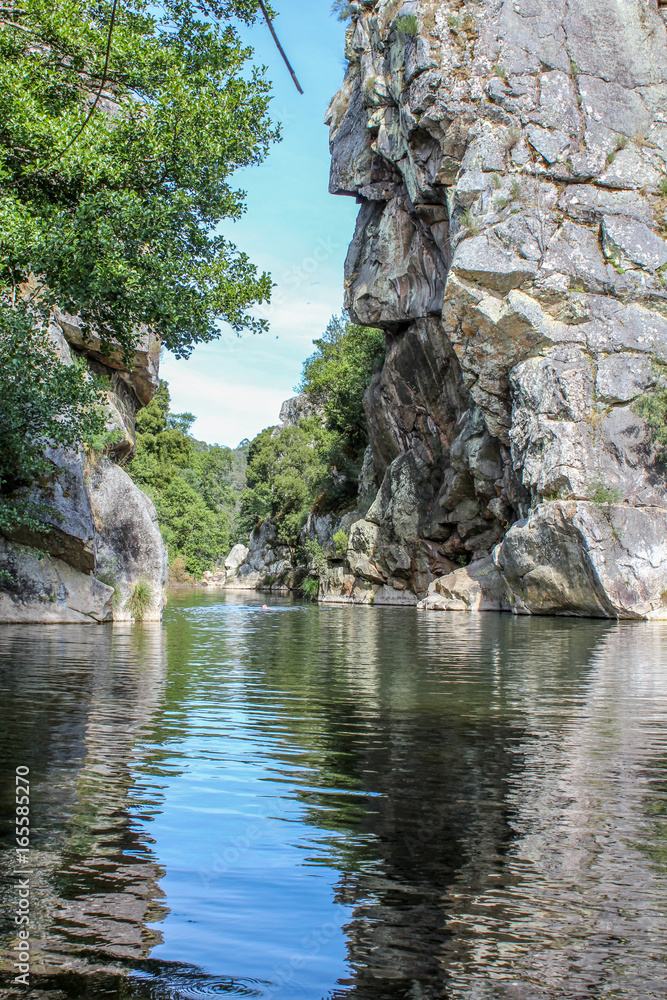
(189, 482)
(42, 400)
(290, 471)
(113, 203)
(315, 465)
(337, 375)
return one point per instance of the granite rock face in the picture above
(510, 162)
(579, 558)
(35, 588)
(130, 553)
(101, 556)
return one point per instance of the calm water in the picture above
(307, 803)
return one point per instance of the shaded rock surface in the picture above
(100, 556)
(510, 161)
(37, 588)
(130, 553)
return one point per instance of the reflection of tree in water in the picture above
(408, 764)
(78, 699)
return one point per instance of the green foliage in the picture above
(601, 494)
(119, 222)
(340, 540)
(341, 9)
(468, 221)
(188, 481)
(43, 401)
(653, 408)
(310, 587)
(316, 554)
(139, 600)
(408, 24)
(289, 473)
(315, 466)
(337, 375)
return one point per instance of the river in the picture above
(311, 802)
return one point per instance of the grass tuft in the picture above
(139, 600)
(601, 494)
(310, 588)
(409, 24)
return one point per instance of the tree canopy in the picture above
(315, 465)
(116, 213)
(337, 375)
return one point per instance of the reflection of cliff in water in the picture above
(77, 701)
(482, 791)
(415, 736)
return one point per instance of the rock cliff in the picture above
(510, 162)
(101, 556)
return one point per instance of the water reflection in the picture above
(349, 802)
(76, 701)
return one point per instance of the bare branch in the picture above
(280, 48)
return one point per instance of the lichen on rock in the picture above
(510, 161)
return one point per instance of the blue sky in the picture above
(293, 228)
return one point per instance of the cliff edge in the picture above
(510, 162)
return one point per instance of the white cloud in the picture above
(226, 412)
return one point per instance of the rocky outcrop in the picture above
(267, 564)
(600, 560)
(37, 588)
(100, 555)
(130, 553)
(295, 409)
(510, 161)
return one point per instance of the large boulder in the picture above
(62, 498)
(577, 558)
(131, 556)
(268, 562)
(37, 588)
(477, 587)
(236, 557)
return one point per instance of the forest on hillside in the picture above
(209, 497)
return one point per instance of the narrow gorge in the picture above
(509, 158)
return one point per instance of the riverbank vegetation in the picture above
(209, 497)
(314, 466)
(195, 486)
(120, 127)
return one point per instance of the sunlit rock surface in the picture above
(509, 159)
